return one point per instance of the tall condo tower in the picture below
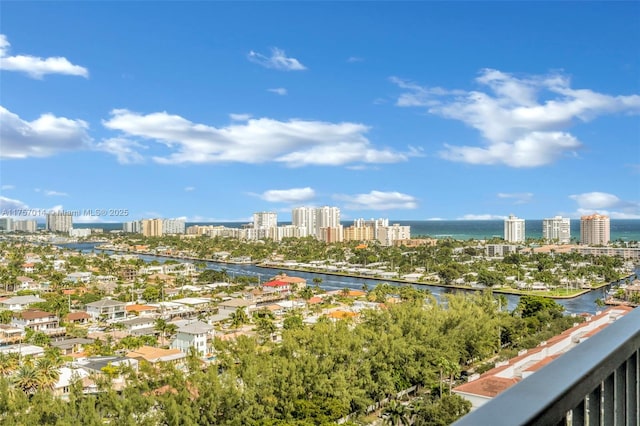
(59, 222)
(594, 229)
(514, 229)
(557, 229)
(265, 220)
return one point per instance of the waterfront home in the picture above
(106, 310)
(276, 286)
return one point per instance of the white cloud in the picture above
(278, 91)
(11, 204)
(55, 194)
(605, 203)
(522, 120)
(43, 137)
(294, 142)
(7, 187)
(190, 188)
(278, 60)
(240, 117)
(293, 195)
(37, 67)
(124, 149)
(596, 200)
(379, 200)
(481, 217)
(518, 197)
(352, 59)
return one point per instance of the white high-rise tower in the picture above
(514, 229)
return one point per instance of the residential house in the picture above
(19, 303)
(140, 326)
(276, 286)
(296, 283)
(71, 346)
(37, 320)
(107, 310)
(77, 317)
(28, 268)
(141, 310)
(67, 376)
(158, 355)
(10, 334)
(196, 334)
(233, 304)
(79, 277)
(23, 350)
(26, 283)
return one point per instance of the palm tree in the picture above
(27, 379)
(8, 363)
(239, 317)
(396, 414)
(47, 373)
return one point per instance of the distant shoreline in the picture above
(462, 230)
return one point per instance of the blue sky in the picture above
(418, 110)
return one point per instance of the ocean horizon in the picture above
(621, 229)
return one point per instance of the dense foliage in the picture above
(315, 375)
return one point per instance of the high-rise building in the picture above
(594, 229)
(327, 217)
(514, 229)
(28, 225)
(375, 224)
(133, 227)
(173, 226)
(359, 233)
(59, 222)
(265, 220)
(305, 217)
(388, 234)
(6, 224)
(151, 227)
(557, 229)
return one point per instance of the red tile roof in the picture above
(275, 284)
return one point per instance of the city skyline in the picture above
(410, 111)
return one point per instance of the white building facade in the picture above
(59, 222)
(557, 229)
(514, 230)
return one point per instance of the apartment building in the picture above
(557, 229)
(59, 222)
(594, 229)
(514, 229)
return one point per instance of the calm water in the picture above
(625, 230)
(584, 303)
